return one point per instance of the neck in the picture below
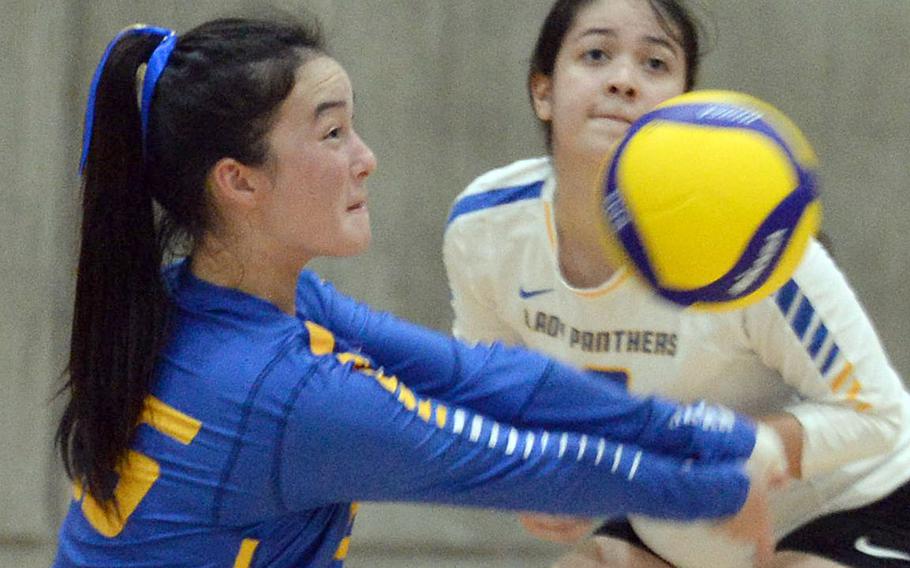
(579, 225)
(257, 273)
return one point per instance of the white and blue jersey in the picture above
(809, 350)
(263, 430)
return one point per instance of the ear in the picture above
(234, 184)
(541, 95)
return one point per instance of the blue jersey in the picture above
(263, 430)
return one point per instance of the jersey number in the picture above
(139, 471)
(615, 374)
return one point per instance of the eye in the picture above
(656, 64)
(596, 55)
(334, 133)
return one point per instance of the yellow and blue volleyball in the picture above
(712, 198)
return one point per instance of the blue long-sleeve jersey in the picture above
(262, 431)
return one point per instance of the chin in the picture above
(355, 246)
(598, 147)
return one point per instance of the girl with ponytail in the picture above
(119, 322)
(230, 408)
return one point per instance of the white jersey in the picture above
(809, 350)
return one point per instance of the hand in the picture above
(752, 525)
(767, 467)
(791, 434)
(556, 528)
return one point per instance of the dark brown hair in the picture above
(217, 97)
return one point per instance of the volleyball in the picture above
(712, 199)
(704, 543)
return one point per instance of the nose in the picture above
(622, 81)
(365, 161)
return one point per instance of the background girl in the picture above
(522, 250)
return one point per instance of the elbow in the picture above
(890, 421)
(893, 424)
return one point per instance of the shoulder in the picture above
(515, 183)
(817, 295)
(314, 296)
(817, 279)
(817, 264)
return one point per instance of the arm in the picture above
(816, 334)
(521, 387)
(353, 436)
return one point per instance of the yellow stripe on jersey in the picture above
(137, 475)
(842, 377)
(322, 342)
(425, 410)
(360, 362)
(406, 398)
(169, 421)
(245, 555)
(137, 472)
(604, 291)
(442, 414)
(853, 391)
(548, 215)
(551, 235)
(855, 387)
(342, 552)
(388, 383)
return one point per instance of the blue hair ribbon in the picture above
(156, 64)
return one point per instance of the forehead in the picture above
(633, 19)
(319, 81)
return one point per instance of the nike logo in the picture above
(525, 294)
(863, 545)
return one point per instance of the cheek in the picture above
(314, 180)
(573, 83)
(574, 98)
(325, 192)
(570, 104)
(671, 88)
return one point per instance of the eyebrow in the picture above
(654, 40)
(323, 107)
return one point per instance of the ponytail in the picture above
(120, 315)
(220, 87)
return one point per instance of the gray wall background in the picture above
(440, 98)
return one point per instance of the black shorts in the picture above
(874, 536)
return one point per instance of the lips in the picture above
(358, 206)
(614, 117)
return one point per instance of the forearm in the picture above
(834, 436)
(579, 401)
(417, 449)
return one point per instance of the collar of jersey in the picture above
(192, 292)
(620, 275)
